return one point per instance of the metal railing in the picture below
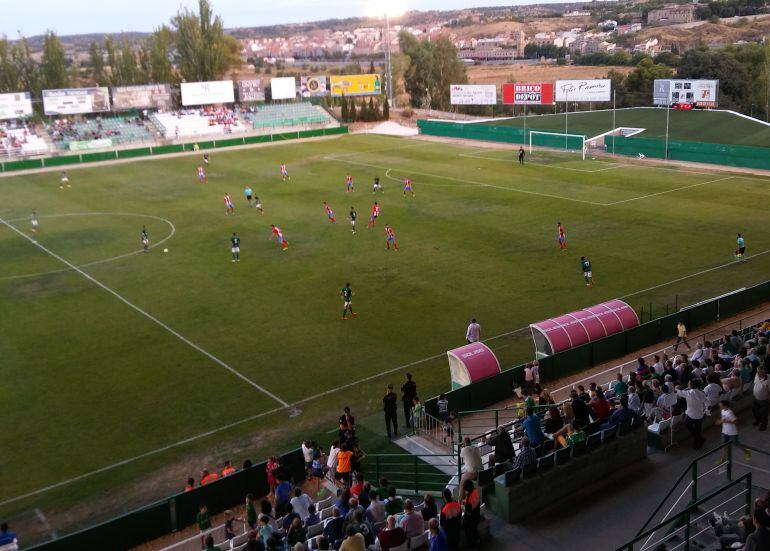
(436, 430)
(683, 521)
(412, 474)
(482, 422)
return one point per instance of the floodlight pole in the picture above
(389, 67)
(566, 126)
(614, 137)
(668, 110)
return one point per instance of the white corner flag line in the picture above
(149, 316)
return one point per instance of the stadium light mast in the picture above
(388, 66)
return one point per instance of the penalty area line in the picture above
(146, 314)
(472, 182)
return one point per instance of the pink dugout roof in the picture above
(471, 363)
(584, 326)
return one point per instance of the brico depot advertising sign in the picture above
(527, 94)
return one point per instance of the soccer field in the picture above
(111, 359)
(696, 126)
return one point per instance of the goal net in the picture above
(573, 143)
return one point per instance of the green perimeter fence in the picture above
(497, 388)
(697, 152)
(65, 160)
(178, 511)
(503, 134)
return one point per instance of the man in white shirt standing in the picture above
(696, 409)
(471, 463)
(473, 334)
(761, 391)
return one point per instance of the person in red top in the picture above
(349, 184)
(599, 406)
(450, 518)
(358, 487)
(390, 238)
(207, 477)
(329, 212)
(229, 208)
(279, 236)
(229, 469)
(562, 236)
(408, 187)
(202, 175)
(190, 484)
(375, 214)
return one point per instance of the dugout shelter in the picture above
(577, 328)
(472, 363)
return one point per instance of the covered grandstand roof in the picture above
(582, 326)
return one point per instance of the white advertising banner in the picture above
(586, 90)
(283, 88)
(473, 94)
(75, 101)
(15, 106)
(207, 93)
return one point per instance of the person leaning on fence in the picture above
(471, 458)
(696, 408)
(681, 336)
(418, 413)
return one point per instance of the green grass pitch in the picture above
(93, 374)
(697, 126)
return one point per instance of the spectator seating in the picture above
(286, 114)
(116, 129)
(21, 142)
(198, 122)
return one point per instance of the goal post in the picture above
(558, 140)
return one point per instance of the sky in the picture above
(32, 17)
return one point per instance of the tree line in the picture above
(192, 47)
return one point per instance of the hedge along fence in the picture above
(503, 134)
(487, 392)
(166, 516)
(66, 160)
(697, 152)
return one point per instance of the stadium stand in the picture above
(286, 115)
(21, 142)
(198, 122)
(117, 130)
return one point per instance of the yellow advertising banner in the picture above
(355, 85)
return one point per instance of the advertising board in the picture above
(695, 92)
(75, 101)
(16, 105)
(154, 96)
(283, 88)
(311, 87)
(207, 93)
(586, 90)
(251, 90)
(355, 85)
(528, 94)
(473, 94)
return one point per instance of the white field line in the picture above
(299, 402)
(145, 314)
(316, 396)
(472, 182)
(512, 161)
(696, 274)
(669, 191)
(95, 262)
